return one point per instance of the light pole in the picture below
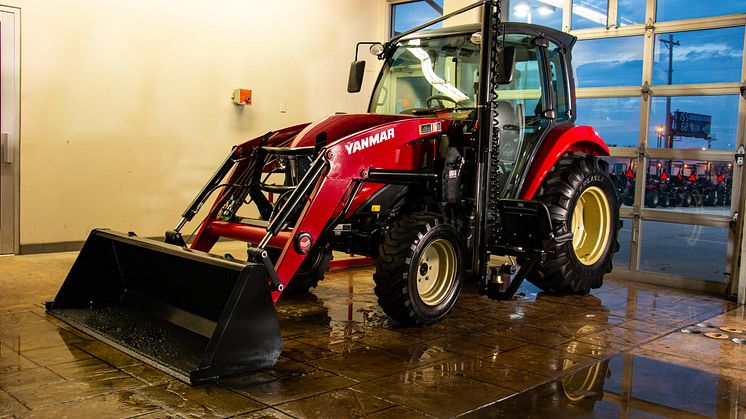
(659, 131)
(669, 43)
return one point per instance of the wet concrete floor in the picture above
(619, 352)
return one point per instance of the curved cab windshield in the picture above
(428, 74)
(441, 75)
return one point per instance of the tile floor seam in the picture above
(84, 398)
(278, 406)
(392, 374)
(395, 404)
(265, 405)
(420, 412)
(16, 399)
(247, 395)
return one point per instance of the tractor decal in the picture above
(369, 141)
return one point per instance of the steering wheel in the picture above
(440, 99)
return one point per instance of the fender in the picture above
(560, 140)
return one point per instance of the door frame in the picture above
(13, 139)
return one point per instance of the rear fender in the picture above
(563, 139)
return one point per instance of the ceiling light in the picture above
(546, 10)
(521, 9)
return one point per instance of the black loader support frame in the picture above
(524, 226)
(488, 137)
(503, 226)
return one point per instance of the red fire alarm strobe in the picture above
(242, 97)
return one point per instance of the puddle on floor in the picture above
(627, 386)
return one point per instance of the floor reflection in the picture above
(619, 351)
(626, 386)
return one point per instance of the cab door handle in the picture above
(7, 147)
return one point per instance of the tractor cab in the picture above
(436, 73)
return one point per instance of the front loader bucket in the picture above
(190, 314)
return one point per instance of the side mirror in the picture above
(507, 62)
(355, 82)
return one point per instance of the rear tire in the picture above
(581, 198)
(651, 198)
(686, 199)
(709, 199)
(419, 269)
(665, 199)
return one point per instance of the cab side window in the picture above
(559, 81)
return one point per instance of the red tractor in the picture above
(468, 149)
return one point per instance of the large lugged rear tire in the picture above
(419, 269)
(581, 198)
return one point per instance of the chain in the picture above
(493, 191)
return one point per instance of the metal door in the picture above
(9, 130)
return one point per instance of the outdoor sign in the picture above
(687, 124)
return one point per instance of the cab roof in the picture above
(562, 38)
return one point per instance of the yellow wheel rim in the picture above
(578, 385)
(436, 272)
(591, 225)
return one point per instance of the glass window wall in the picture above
(688, 9)
(616, 119)
(405, 16)
(699, 122)
(608, 62)
(692, 251)
(588, 14)
(707, 56)
(631, 12)
(689, 186)
(539, 12)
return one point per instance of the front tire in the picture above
(310, 272)
(581, 198)
(419, 269)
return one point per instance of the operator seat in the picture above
(510, 123)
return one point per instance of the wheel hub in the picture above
(436, 272)
(424, 268)
(591, 225)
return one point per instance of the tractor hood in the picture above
(337, 126)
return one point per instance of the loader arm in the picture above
(348, 163)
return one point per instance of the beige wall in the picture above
(125, 106)
(472, 16)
